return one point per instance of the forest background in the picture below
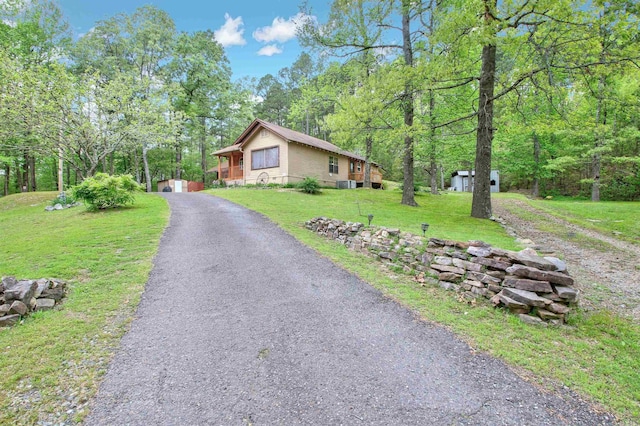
(545, 91)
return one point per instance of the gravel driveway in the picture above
(242, 325)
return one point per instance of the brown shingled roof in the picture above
(288, 135)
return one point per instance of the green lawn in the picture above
(52, 362)
(448, 215)
(598, 356)
(619, 218)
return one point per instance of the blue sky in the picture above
(258, 35)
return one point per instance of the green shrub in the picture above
(309, 185)
(103, 191)
(64, 198)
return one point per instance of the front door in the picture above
(178, 184)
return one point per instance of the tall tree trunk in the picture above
(136, 164)
(367, 161)
(596, 159)
(408, 195)
(203, 149)
(535, 186)
(481, 205)
(441, 177)
(32, 173)
(7, 177)
(469, 177)
(147, 174)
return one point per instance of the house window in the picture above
(359, 167)
(264, 133)
(265, 158)
(333, 164)
(242, 164)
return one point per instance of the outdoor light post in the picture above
(370, 217)
(425, 226)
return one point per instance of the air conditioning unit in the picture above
(346, 184)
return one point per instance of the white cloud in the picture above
(270, 50)
(230, 34)
(281, 30)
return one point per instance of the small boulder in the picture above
(526, 297)
(479, 251)
(21, 290)
(17, 307)
(45, 304)
(569, 294)
(9, 320)
(529, 285)
(4, 309)
(561, 266)
(528, 319)
(53, 293)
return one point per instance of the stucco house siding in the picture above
(311, 162)
(260, 140)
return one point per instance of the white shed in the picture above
(460, 180)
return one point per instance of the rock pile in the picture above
(537, 288)
(20, 297)
(59, 206)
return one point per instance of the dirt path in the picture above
(240, 324)
(607, 269)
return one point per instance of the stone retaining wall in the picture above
(536, 288)
(20, 297)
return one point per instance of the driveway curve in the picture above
(240, 324)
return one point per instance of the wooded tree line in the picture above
(545, 91)
(132, 96)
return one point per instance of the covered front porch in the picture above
(231, 165)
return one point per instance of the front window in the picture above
(265, 158)
(333, 164)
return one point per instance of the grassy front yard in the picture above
(598, 356)
(51, 364)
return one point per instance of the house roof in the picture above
(465, 173)
(288, 135)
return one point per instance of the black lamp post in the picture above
(370, 217)
(425, 226)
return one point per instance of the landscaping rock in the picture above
(525, 257)
(56, 293)
(444, 268)
(526, 297)
(528, 319)
(548, 315)
(17, 307)
(45, 304)
(536, 274)
(21, 290)
(491, 263)
(9, 320)
(509, 302)
(529, 285)
(561, 266)
(558, 308)
(20, 297)
(522, 282)
(4, 309)
(7, 282)
(567, 293)
(449, 276)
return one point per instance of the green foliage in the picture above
(309, 185)
(103, 191)
(64, 198)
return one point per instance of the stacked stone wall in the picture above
(538, 289)
(18, 298)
